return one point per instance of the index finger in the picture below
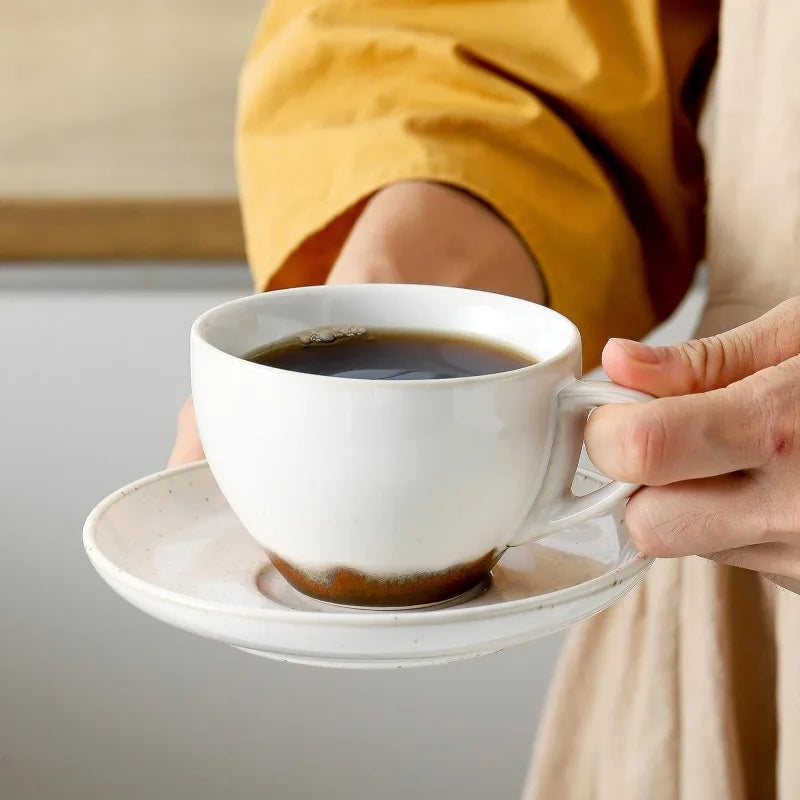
(695, 436)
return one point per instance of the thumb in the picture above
(705, 364)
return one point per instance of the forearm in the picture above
(420, 232)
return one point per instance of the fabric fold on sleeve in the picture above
(560, 122)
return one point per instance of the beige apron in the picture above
(689, 688)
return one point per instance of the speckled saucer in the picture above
(170, 545)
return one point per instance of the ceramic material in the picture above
(170, 545)
(395, 492)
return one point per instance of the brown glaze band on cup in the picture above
(354, 588)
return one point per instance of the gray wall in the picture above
(97, 701)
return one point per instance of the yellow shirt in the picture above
(574, 120)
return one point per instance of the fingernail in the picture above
(642, 353)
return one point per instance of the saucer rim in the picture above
(283, 614)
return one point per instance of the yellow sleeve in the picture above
(574, 121)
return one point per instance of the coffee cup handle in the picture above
(556, 506)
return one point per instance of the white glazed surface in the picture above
(384, 477)
(170, 545)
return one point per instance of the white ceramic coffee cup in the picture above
(395, 493)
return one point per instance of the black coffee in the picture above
(389, 355)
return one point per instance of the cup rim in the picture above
(197, 334)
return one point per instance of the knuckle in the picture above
(657, 532)
(712, 361)
(773, 397)
(643, 448)
(696, 356)
(689, 533)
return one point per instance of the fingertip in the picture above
(633, 351)
(616, 361)
(650, 369)
(602, 437)
(640, 520)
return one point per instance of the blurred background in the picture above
(119, 225)
(117, 127)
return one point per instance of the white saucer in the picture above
(170, 545)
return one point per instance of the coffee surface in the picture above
(389, 355)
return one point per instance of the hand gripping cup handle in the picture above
(556, 506)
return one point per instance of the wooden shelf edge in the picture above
(120, 229)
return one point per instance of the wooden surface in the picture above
(124, 229)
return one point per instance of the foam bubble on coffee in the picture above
(328, 335)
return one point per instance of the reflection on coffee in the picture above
(389, 355)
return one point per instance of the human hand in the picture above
(719, 453)
(187, 447)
